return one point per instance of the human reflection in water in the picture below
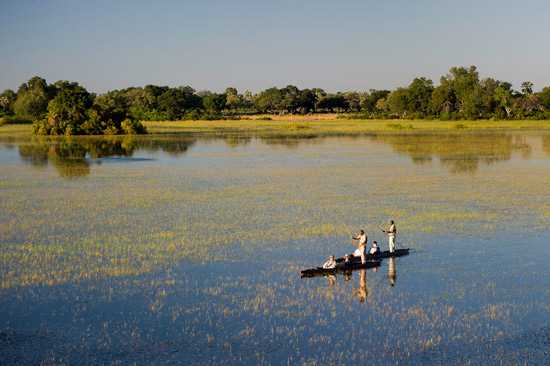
(362, 292)
(392, 272)
(331, 280)
(329, 292)
(347, 275)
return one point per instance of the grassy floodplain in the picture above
(320, 124)
(330, 124)
(47, 259)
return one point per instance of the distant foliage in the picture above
(67, 108)
(74, 111)
(32, 99)
(7, 99)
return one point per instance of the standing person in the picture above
(392, 233)
(361, 246)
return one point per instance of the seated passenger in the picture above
(330, 263)
(375, 249)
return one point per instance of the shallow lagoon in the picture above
(187, 249)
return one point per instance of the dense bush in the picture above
(74, 111)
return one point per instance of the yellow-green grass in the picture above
(315, 124)
(127, 220)
(15, 130)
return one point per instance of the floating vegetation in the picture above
(190, 247)
(133, 219)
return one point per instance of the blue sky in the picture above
(208, 44)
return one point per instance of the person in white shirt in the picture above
(392, 233)
(361, 246)
(375, 249)
(330, 263)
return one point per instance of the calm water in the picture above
(187, 250)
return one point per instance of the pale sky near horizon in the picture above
(253, 44)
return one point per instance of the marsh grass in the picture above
(399, 126)
(198, 252)
(328, 126)
(128, 220)
(324, 124)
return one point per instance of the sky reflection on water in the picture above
(187, 250)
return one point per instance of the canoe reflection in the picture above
(361, 292)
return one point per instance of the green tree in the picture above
(32, 99)
(353, 100)
(319, 94)
(291, 99)
(527, 88)
(465, 85)
(7, 98)
(269, 101)
(544, 96)
(370, 100)
(248, 101)
(397, 102)
(419, 96)
(142, 103)
(333, 102)
(67, 111)
(213, 103)
(503, 96)
(307, 100)
(112, 107)
(175, 102)
(233, 100)
(443, 99)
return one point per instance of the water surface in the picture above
(187, 249)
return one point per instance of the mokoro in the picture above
(384, 254)
(355, 263)
(340, 267)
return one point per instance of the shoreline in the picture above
(313, 125)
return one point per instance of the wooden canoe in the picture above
(373, 260)
(384, 254)
(340, 267)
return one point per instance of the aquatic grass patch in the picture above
(133, 219)
(399, 126)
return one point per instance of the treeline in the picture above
(67, 108)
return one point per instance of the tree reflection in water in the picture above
(459, 153)
(72, 157)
